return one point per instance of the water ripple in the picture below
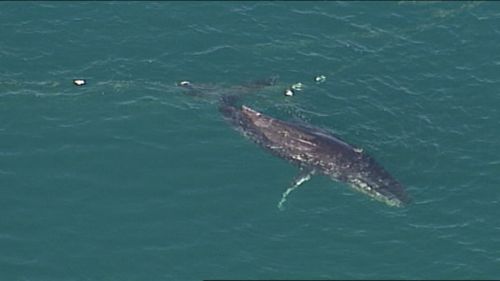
(212, 50)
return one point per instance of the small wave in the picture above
(137, 100)
(212, 50)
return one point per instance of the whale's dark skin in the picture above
(315, 151)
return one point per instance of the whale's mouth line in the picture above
(380, 193)
(391, 201)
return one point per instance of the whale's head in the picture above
(252, 115)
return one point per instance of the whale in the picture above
(314, 151)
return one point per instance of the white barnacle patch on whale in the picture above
(358, 150)
(306, 142)
(360, 183)
(275, 147)
(248, 109)
(298, 157)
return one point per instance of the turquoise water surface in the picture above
(128, 178)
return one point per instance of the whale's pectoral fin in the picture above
(304, 176)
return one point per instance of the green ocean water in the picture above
(128, 178)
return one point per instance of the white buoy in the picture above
(297, 86)
(320, 79)
(79, 82)
(184, 83)
(288, 92)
